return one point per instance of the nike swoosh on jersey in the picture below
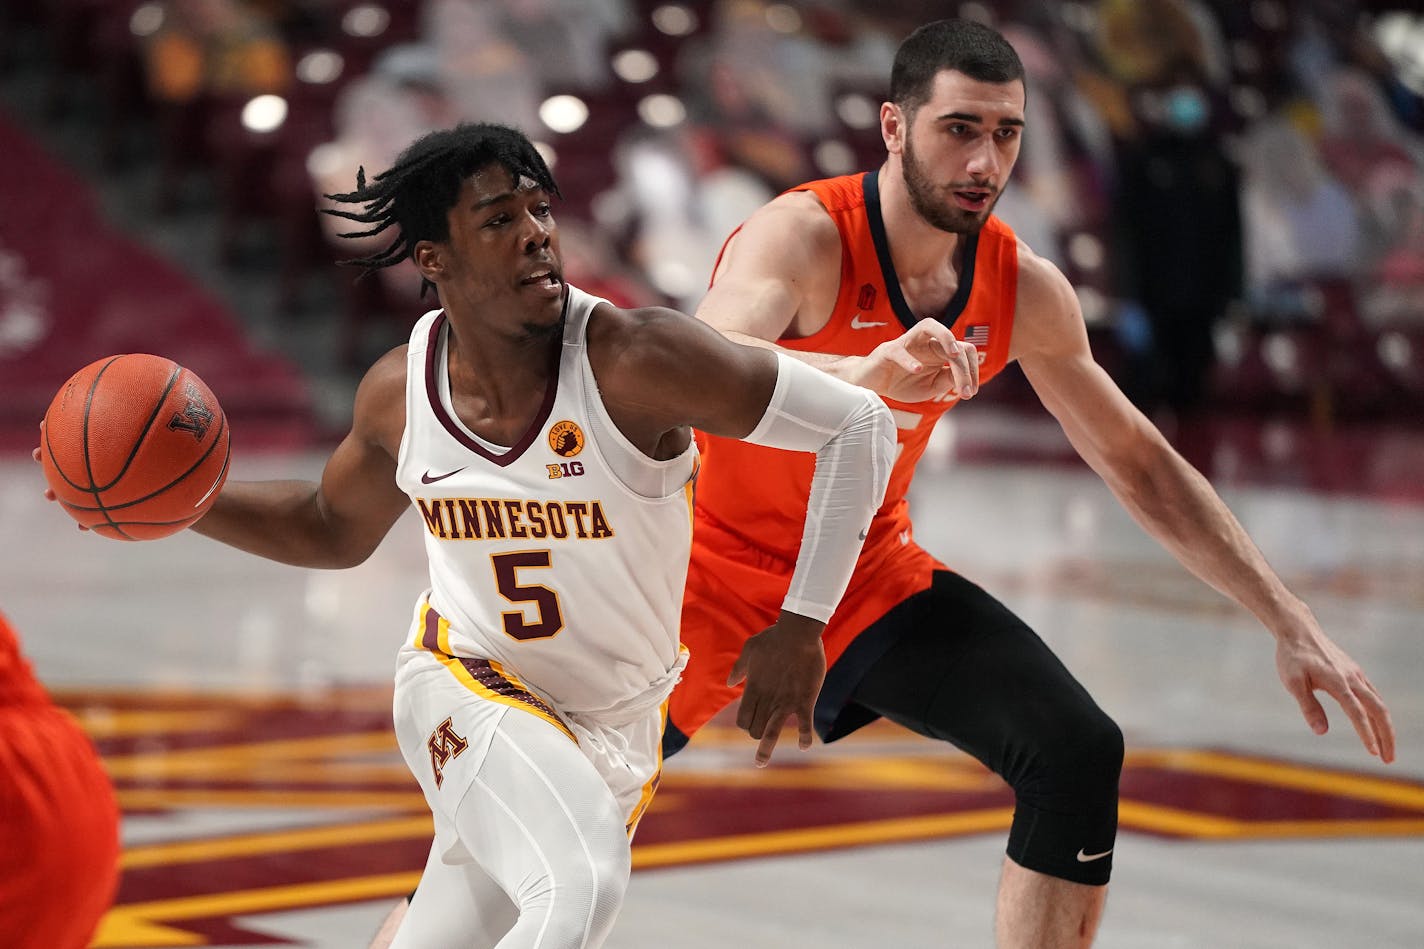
(427, 479)
(856, 323)
(1090, 857)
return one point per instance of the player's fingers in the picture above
(768, 739)
(746, 712)
(35, 454)
(1379, 718)
(49, 494)
(1352, 700)
(739, 670)
(964, 364)
(806, 719)
(1364, 726)
(902, 358)
(1311, 708)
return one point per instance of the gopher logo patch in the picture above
(566, 439)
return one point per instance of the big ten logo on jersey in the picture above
(565, 469)
(445, 746)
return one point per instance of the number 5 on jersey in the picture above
(548, 617)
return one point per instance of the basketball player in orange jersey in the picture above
(544, 437)
(59, 822)
(852, 275)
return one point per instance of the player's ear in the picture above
(429, 260)
(894, 125)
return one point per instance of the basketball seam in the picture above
(222, 428)
(142, 434)
(88, 465)
(49, 443)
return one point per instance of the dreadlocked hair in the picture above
(415, 194)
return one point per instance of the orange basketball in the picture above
(135, 447)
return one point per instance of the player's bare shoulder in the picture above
(625, 344)
(379, 412)
(1047, 316)
(793, 232)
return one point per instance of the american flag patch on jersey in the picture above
(978, 334)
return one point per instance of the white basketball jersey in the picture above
(561, 558)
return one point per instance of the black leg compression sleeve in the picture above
(966, 670)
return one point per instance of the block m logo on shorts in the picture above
(445, 746)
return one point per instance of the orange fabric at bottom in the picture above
(734, 591)
(59, 821)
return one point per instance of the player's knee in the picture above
(1065, 818)
(1073, 765)
(582, 892)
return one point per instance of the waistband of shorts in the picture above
(635, 706)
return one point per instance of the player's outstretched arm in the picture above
(1177, 506)
(786, 261)
(339, 521)
(675, 372)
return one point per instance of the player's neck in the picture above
(506, 370)
(918, 249)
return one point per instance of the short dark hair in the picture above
(416, 193)
(978, 51)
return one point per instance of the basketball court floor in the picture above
(243, 710)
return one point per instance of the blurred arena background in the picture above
(1235, 187)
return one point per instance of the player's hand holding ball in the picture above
(134, 447)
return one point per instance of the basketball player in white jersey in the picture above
(543, 435)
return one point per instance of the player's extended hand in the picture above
(784, 666)
(925, 362)
(1308, 661)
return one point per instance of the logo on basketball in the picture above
(195, 417)
(566, 439)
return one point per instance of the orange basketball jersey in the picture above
(760, 494)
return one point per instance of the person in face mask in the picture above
(1179, 225)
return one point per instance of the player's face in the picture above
(503, 251)
(957, 149)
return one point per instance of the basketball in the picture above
(135, 447)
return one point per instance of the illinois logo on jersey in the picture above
(566, 439)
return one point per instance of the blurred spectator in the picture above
(1058, 185)
(485, 75)
(214, 47)
(1366, 149)
(1395, 297)
(569, 39)
(1177, 200)
(203, 62)
(1361, 137)
(377, 116)
(685, 200)
(736, 85)
(1300, 224)
(591, 262)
